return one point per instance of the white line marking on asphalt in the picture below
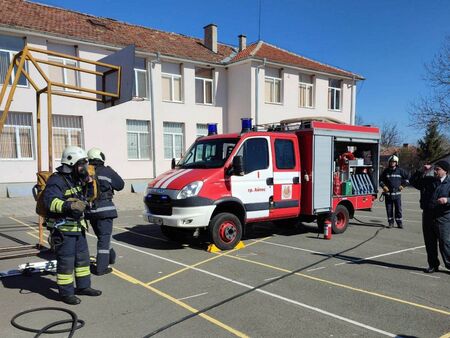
(188, 297)
(295, 248)
(405, 220)
(247, 286)
(424, 275)
(319, 268)
(268, 279)
(246, 255)
(382, 255)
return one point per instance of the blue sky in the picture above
(386, 41)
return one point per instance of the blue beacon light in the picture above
(246, 124)
(212, 129)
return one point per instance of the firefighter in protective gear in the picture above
(65, 201)
(103, 210)
(392, 181)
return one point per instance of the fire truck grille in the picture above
(159, 204)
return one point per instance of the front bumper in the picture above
(183, 217)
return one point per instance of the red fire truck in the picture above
(307, 171)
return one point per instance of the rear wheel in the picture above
(342, 218)
(225, 230)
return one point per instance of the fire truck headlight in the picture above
(192, 189)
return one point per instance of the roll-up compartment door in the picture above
(322, 173)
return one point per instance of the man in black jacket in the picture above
(435, 203)
(103, 210)
(393, 180)
(65, 201)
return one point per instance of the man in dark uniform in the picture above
(393, 180)
(103, 210)
(435, 203)
(65, 201)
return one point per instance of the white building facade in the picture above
(175, 97)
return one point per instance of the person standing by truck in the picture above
(65, 198)
(435, 203)
(103, 210)
(393, 180)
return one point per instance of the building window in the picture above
(306, 91)
(67, 131)
(273, 85)
(171, 82)
(63, 75)
(16, 139)
(334, 94)
(202, 130)
(173, 140)
(140, 78)
(138, 139)
(203, 86)
(9, 46)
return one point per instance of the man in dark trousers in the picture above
(65, 201)
(393, 180)
(435, 203)
(103, 210)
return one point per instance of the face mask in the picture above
(82, 170)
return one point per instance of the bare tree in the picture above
(390, 135)
(435, 107)
(359, 120)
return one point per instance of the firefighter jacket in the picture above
(393, 179)
(59, 188)
(108, 182)
(431, 189)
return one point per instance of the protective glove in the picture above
(400, 188)
(385, 189)
(74, 207)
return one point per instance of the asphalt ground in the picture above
(286, 282)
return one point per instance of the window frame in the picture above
(279, 139)
(197, 129)
(13, 73)
(138, 133)
(77, 73)
(173, 140)
(241, 148)
(307, 85)
(204, 80)
(172, 77)
(333, 91)
(272, 89)
(136, 82)
(69, 143)
(18, 146)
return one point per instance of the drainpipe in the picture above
(152, 112)
(352, 108)
(257, 91)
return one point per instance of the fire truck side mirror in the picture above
(238, 166)
(172, 165)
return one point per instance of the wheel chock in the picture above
(213, 248)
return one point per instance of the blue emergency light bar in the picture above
(212, 129)
(246, 123)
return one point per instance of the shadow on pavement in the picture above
(36, 283)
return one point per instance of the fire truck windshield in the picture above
(208, 153)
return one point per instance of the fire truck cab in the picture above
(310, 171)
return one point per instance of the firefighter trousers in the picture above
(391, 204)
(105, 254)
(434, 233)
(72, 254)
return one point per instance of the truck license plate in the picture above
(155, 220)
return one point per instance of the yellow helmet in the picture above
(96, 154)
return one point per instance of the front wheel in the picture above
(342, 218)
(225, 230)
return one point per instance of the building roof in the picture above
(22, 14)
(263, 50)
